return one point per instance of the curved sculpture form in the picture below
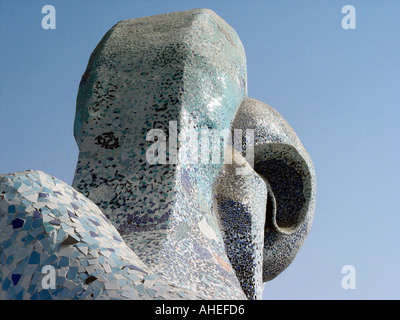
(280, 158)
(162, 178)
(47, 226)
(178, 72)
(277, 196)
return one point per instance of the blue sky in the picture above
(339, 89)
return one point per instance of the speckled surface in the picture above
(186, 223)
(281, 160)
(186, 67)
(43, 222)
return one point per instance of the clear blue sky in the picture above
(339, 89)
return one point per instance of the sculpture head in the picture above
(157, 89)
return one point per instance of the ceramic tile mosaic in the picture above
(141, 224)
(186, 67)
(280, 158)
(45, 222)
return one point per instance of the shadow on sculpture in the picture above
(185, 188)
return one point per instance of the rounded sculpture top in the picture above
(192, 48)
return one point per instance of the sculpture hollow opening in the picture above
(289, 184)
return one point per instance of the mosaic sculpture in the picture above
(185, 187)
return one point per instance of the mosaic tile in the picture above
(21, 266)
(137, 224)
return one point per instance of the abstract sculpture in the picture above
(185, 188)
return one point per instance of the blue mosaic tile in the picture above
(15, 278)
(34, 258)
(17, 223)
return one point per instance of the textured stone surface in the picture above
(191, 223)
(187, 67)
(280, 158)
(241, 202)
(45, 222)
